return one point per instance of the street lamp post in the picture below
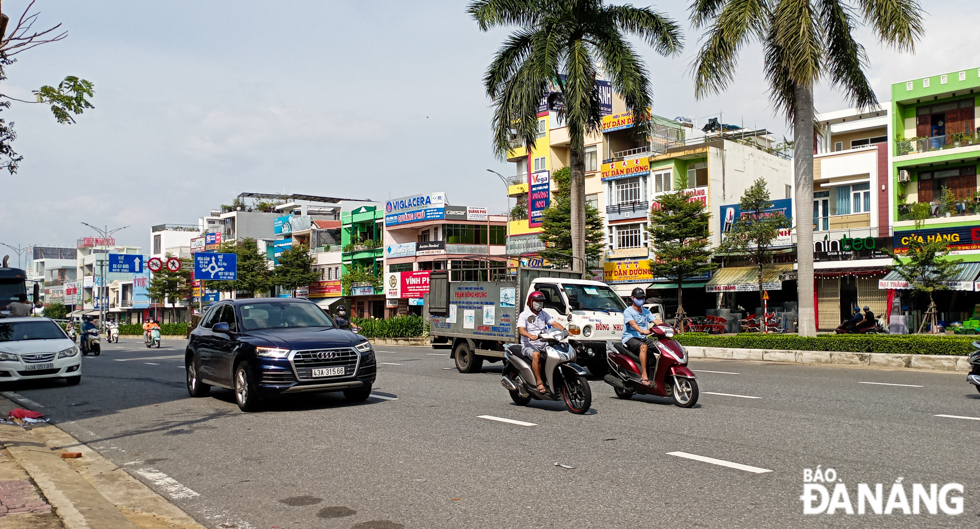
(507, 236)
(19, 249)
(105, 233)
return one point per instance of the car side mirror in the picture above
(221, 327)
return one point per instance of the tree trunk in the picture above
(762, 302)
(576, 161)
(803, 178)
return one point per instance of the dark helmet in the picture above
(341, 308)
(867, 308)
(639, 293)
(537, 295)
(857, 309)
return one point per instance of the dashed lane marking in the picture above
(435, 354)
(508, 421)
(169, 357)
(172, 487)
(383, 397)
(448, 368)
(960, 417)
(717, 372)
(730, 395)
(720, 462)
(389, 364)
(887, 384)
(151, 364)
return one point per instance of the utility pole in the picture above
(102, 288)
(507, 236)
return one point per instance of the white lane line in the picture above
(959, 417)
(448, 368)
(720, 462)
(167, 483)
(382, 397)
(151, 364)
(389, 364)
(169, 357)
(887, 384)
(730, 395)
(508, 421)
(388, 352)
(20, 399)
(718, 372)
(435, 354)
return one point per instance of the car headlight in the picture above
(587, 331)
(363, 347)
(8, 357)
(272, 352)
(68, 353)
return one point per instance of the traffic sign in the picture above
(154, 264)
(125, 263)
(216, 266)
(173, 264)
(765, 295)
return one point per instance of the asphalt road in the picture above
(419, 455)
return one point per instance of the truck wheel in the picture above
(466, 361)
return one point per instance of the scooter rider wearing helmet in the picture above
(531, 323)
(343, 322)
(869, 319)
(636, 321)
(852, 324)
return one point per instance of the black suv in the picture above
(269, 346)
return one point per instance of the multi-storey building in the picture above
(93, 295)
(52, 267)
(362, 235)
(935, 159)
(425, 233)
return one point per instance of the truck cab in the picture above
(13, 283)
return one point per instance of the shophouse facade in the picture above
(425, 233)
(362, 234)
(935, 159)
(52, 267)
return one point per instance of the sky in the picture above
(196, 102)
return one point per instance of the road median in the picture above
(878, 360)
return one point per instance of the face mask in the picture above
(537, 305)
(638, 302)
(341, 313)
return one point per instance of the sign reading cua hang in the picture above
(957, 238)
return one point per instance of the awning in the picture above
(686, 284)
(625, 290)
(324, 303)
(745, 278)
(965, 279)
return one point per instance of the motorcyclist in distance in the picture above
(342, 320)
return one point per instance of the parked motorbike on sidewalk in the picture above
(152, 339)
(562, 377)
(89, 342)
(666, 367)
(974, 376)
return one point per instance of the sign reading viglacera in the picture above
(216, 266)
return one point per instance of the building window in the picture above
(424, 236)
(852, 199)
(869, 141)
(628, 236)
(627, 190)
(404, 267)
(789, 191)
(542, 127)
(838, 146)
(663, 181)
(592, 201)
(476, 271)
(157, 245)
(539, 164)
(329, 274)
(591, 159)
(961, 180)
(475, 234)
(697, 175)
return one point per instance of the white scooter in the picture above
(112, 334)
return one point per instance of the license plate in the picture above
(38, 367)
(328, 372)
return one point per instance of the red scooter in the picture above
(666, 364)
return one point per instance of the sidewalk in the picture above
(47, 491)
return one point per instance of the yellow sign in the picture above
(627, 271)
(765, 295)
(617, 122)
(626, 168)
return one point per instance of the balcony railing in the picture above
(629, 206)
(920, 144)
(961, 208)
(127, 303)
(175, 227)
(517, 179)
(630, 152)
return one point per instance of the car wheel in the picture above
(466, 361)
(360, 394)
(195, 387)
(73, 381)
(245, 394)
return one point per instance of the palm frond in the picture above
(516, 107)
(799, 37)
(735, 24)
(492, 13)
(508, 60)
(897, 22)
(578, 90)
(845, 59)
(782, 89)
(704, 10)
(661, 32)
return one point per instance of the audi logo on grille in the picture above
(327, 355)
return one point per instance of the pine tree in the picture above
(295, 269)
(753, 234)
(679, 239)
(557, 225)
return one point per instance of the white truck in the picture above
(479, 317)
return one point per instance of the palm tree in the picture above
(568, 42)
(802, 41)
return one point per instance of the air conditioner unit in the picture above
(903, 176)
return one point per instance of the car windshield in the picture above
(593, 297)
(279, 315)
(30, 330)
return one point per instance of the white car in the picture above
(37, 348)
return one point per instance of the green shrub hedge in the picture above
(397, 327)
(852, 343)
(166, 329)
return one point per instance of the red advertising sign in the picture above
(415, 284)
(325, 289)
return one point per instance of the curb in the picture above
(879, 360)
(418, 342)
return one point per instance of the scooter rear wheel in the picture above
(623, 394)
(516, 395)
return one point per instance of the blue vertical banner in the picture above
(539, 197)
(141, 296)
